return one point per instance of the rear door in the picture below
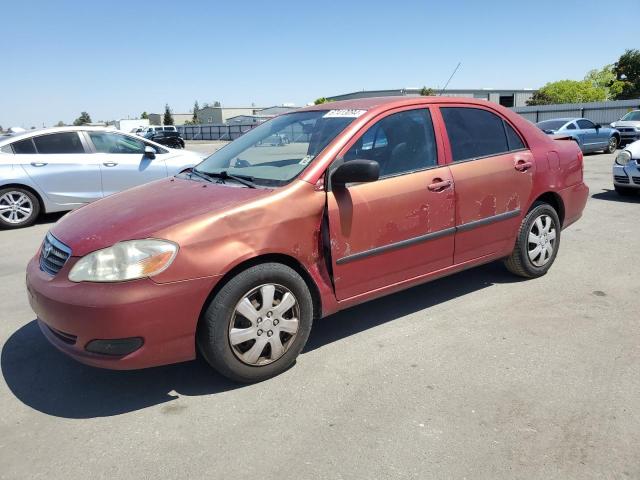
(493, 172)
(62, 166)
(400, 226)
(123, 162)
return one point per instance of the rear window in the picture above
(551, 124)
(474, 133)
(66, 142)
(24, 146)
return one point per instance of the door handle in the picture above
(438, 185)
(38, 164)
(110, 164)
(522, 165)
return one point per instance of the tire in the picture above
(625, 191)
(612, 146)
(524, 261)
(262, 328)
(14, 203)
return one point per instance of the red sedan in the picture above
(240, 255)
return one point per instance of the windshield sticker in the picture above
(306, 159)
(343, 113)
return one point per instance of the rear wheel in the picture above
(612, 145)
(18, 207)
(625, 191)
(537, 242)
(257, 324)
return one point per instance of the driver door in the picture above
(123, 163)
(402, 225)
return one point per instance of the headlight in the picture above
(623, 158)
(125, 261)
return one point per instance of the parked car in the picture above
(59, 169)
(591, 137)
(629, 127)
(157, 128)
(168, 138)
(626, 170)
(240, 255)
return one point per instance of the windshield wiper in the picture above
(224, 175)
(198, 173)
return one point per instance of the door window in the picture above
(402, 142)
(114, 143)
(585, 124)
(66, 142)
(24, 146)
(513, 139)
(475, 133)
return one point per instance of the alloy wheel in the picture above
(264, 324)
(541, 240)
(15, 207)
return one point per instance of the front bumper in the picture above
(627, 137)
(163, 317)
(627, 176)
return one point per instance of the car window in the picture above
(585, 124)
(402, 142)
(571, 126)
(156, 148)
(113, 143)
(25, 146)
(514, 140)
(65, 142)
(474, 133)
(6, 149)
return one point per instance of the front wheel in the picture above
(537, 242)
(18, 207)
(257, 324)
(612, 146)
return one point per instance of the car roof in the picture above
(563, 119)
(372, 103)
(41, 131)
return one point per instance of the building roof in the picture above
(416, 91)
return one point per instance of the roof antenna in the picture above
(446, 84)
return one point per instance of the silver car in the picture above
(629, 126)
(59, 169)
(626, 170)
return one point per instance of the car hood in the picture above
(628, 123)
(143, 212)
(634, 149)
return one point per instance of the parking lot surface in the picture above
(481, 375)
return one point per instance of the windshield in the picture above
(275, 152)
(632, 116)
(551, 124)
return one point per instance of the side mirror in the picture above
(598, 126)
(149, 152)
(356, 171)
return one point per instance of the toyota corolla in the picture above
(239, 256)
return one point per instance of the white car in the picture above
(59, 169)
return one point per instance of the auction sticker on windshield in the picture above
(343, 113)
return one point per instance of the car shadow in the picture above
(50, 382)
(50, 217)
(612, 196)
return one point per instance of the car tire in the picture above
(248, 340)
(612, 146)
(19, 207)
(625, 191)
(537, 242)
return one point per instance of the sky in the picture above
(117, 59)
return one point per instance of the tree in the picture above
(144, 116)
(627, 70)
(83, 119)
(427, 92)
(605, 78)
(217, 104)
(60, 124)
(168, 118)
(196, 107)
(568, 91)
(321, 100)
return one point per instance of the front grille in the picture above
(636, 180)
(621, 178)
(53, 255)
(67, 338)
(630, 130)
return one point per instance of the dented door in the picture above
(390, 230)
